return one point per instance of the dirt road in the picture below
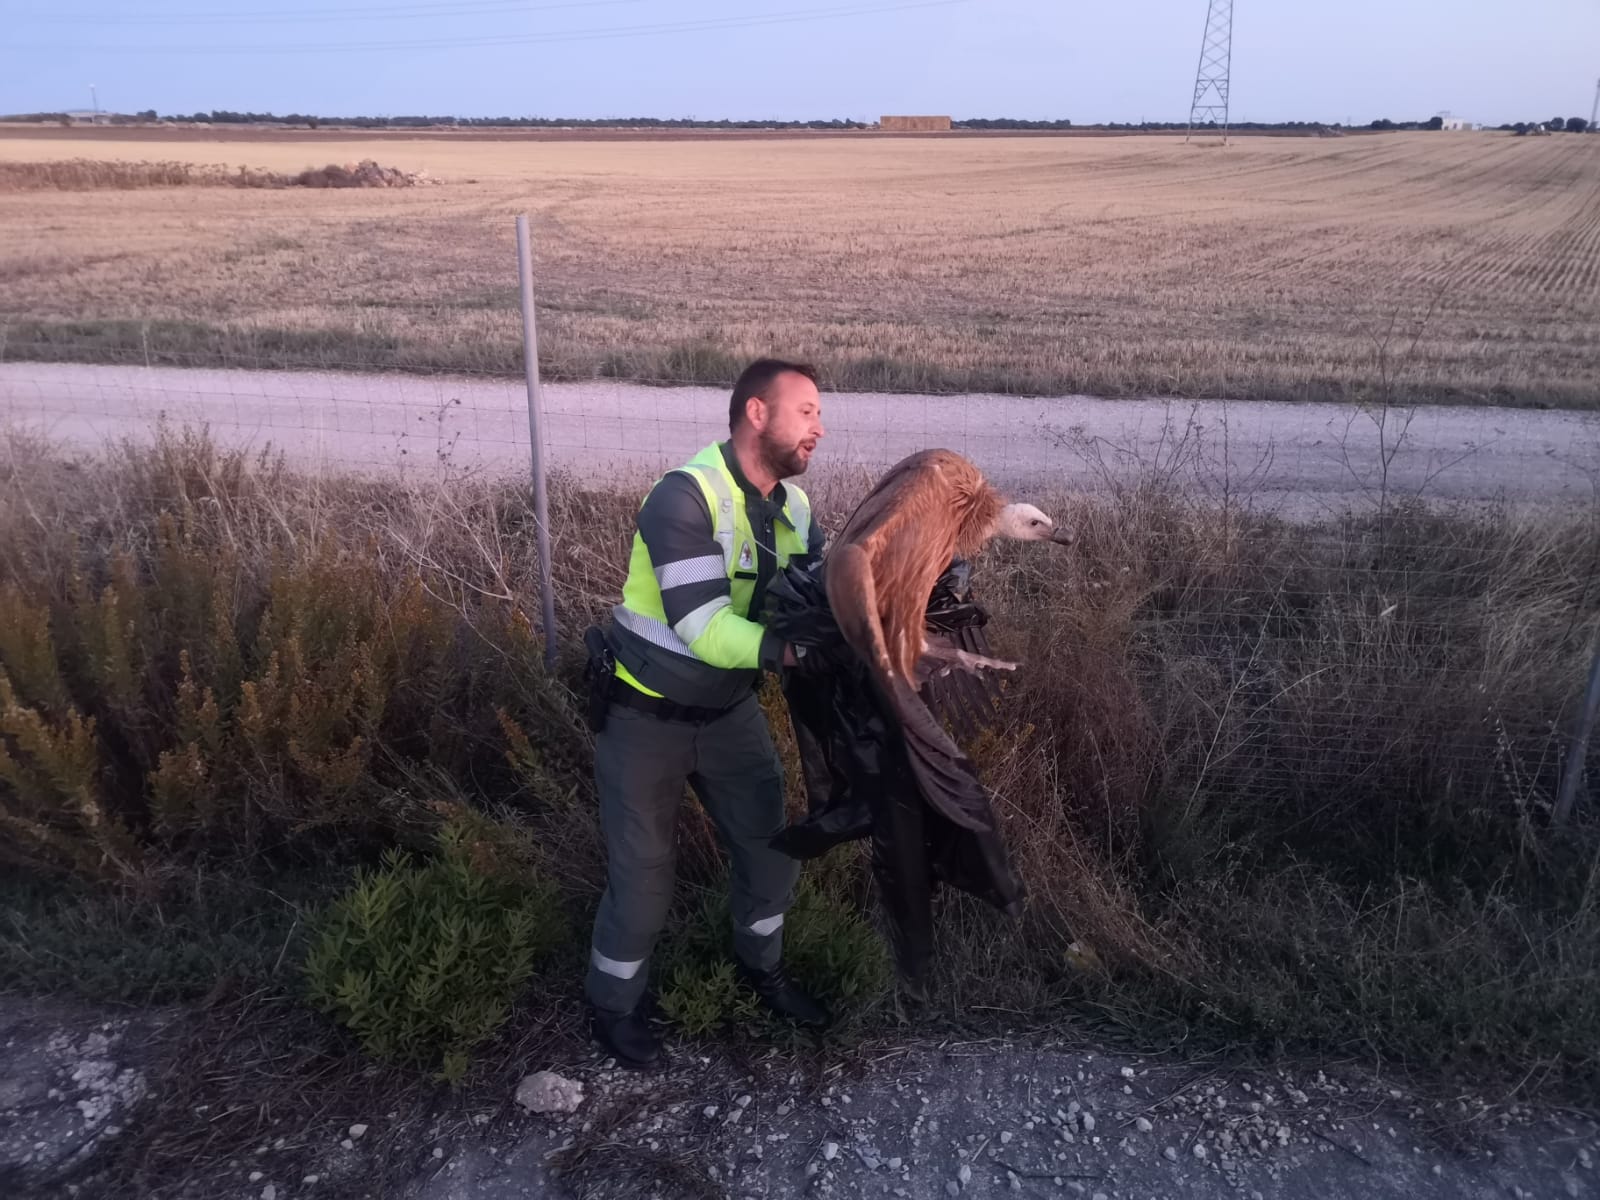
(1300, 460)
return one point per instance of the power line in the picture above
(313, 15)
(700, 25)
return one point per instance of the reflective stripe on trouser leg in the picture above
(640, 767)
(740, 782)
(767, 926)
(617, 970)
(760, 944)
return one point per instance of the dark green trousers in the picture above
(641, 766)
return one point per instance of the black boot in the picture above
(627, 1036)
(783, 996)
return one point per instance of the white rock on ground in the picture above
(547, 1092)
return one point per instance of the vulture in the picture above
(929, 509)
(892, 602)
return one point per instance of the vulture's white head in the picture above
(1025, 523)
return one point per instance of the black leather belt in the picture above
(660, 706)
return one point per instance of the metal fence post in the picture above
(1572, 773)
(541, 499)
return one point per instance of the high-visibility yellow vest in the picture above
(729, 645)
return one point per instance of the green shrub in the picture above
(829, 948)
(702, 995)
(422, 962)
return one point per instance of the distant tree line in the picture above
(1385, 124)
(1554, 125)
(62, 118)
(224, 117)
(1146, 126)
(228, 117)
(1008, 123)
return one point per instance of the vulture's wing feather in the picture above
(945, 691)
(965, 697)
(944, 775)
(956, 621)
(955, 696)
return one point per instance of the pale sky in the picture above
(1292, 60)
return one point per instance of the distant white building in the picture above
(1458, 123)
(87, 116)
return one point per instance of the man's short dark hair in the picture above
(757, 380)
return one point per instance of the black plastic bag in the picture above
(858, 782)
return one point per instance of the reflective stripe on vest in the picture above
(659, 633)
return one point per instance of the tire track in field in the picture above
(1566, 254)
(1520, 234)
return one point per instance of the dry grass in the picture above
(1264, 783)
(1274, 268)
(86, 175)
(89, 175)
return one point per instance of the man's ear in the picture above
(755, 412)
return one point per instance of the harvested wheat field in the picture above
(1431, 266)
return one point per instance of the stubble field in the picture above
(1429, 266)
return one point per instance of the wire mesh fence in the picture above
(1297, 642)
(1304, 461)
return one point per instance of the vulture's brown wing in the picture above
(943, 773)
(964, 698)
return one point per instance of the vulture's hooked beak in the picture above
(1062, 537)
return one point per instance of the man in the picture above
(686, 654)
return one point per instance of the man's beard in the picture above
(783, 461)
